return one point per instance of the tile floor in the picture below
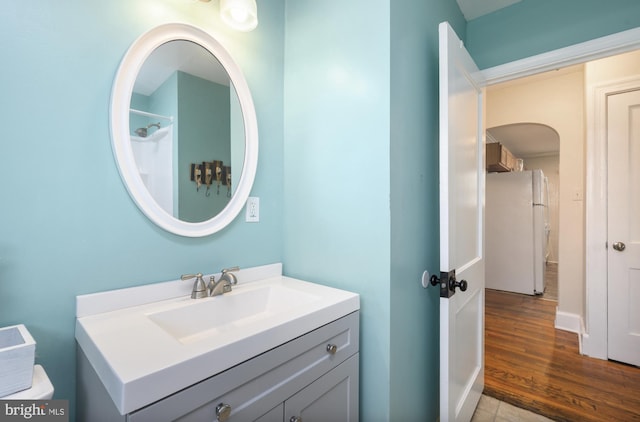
(494, 410)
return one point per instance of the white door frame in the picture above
(598, 48)
(594, 340)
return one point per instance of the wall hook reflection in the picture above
(208, 171)
(196, 175)
(218, 165)
(208, 176)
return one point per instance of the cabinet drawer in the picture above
(256, 386)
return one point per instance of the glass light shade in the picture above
(239, 14)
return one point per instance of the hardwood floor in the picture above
(530, 364)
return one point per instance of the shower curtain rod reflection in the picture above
(144, 113)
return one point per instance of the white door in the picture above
(623, 144)
(461, 230)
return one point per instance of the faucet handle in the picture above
(199, 290)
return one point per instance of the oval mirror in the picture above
(184, 130)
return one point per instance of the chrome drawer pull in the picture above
(223, 411)
(332, 349)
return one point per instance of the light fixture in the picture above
(239, 14)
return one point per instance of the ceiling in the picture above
(526, 140)
(182, 55)
(472, 9)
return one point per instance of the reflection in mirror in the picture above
(179, 99)
(186, 130)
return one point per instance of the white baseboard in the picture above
(594, 347)
(588, 345)
(570, 322)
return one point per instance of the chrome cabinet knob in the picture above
(223, 411)
(295, 419)
(619, 246)
(332, 349)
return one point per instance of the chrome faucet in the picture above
(227, 279)
(199, 290)
(215, 288)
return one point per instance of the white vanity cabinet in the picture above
(313, 377)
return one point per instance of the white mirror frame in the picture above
(120, 131)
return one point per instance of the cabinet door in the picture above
(332, 397)
(274, 415)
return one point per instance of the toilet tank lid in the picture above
(41, 387)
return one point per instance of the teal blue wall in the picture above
(414, 204)
(336, 178)
(361, 136)
(204, 116)
(536, 26)
(348, 192)
(68, 226)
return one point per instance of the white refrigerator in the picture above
(516, 231)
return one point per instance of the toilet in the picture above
(41, 387)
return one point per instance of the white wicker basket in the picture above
(17, 355)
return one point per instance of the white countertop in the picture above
(139, 362)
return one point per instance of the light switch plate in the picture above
(253, 209)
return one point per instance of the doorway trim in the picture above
(621, 42)
(594, 336)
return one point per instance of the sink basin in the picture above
(148, 342)
(206, 317)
